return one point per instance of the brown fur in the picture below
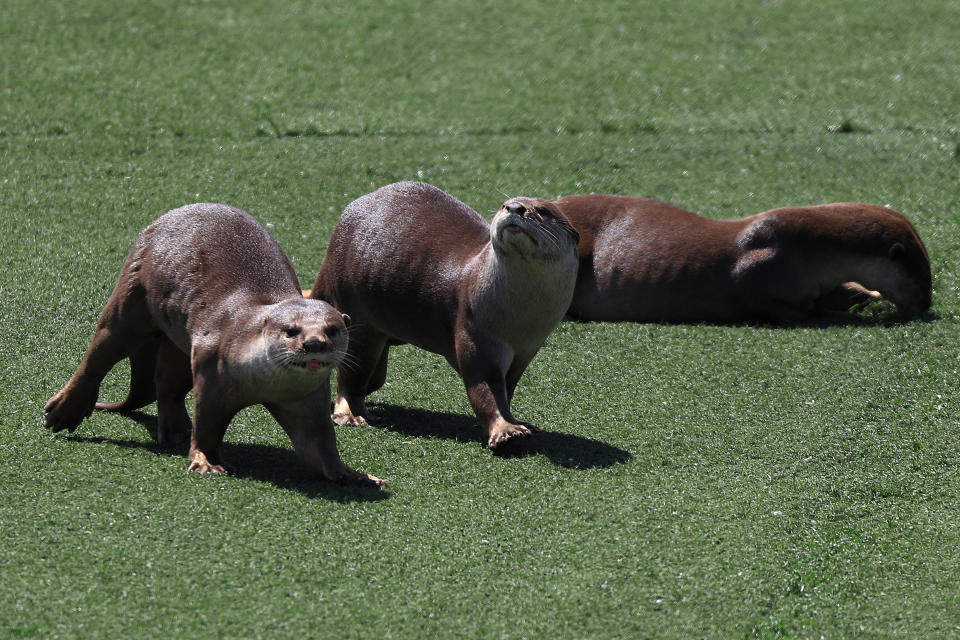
(411, 263)
(207, 300)
(645, 260)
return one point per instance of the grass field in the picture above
(692, 481)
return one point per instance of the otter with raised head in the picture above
(412, 264)
(644, 260)
(207, 300)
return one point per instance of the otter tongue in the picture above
(313, 365)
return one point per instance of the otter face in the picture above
(911, 288)
(532, 228)
(305, 336)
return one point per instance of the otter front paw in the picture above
(200, 464)
(357, 478)
(346, 418)
(503, 431)
(343, 415)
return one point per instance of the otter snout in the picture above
(914, 306)
(522, 209)
(316, 345)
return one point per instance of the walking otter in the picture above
(412, 264)
(207, 300)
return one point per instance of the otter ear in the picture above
(897, 251)
(346, 319)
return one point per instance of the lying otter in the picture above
(411, 263)
(645, 260)
(207, 300)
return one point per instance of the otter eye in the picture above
(333, 332)
(292, 331)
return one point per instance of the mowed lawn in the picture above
(691, 480)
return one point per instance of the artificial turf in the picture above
(691, 480)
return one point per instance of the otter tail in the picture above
(143, 389)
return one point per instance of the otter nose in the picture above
(515, 209)
(316, 345)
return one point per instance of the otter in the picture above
(208, 301)
(412, 264)
(644, 260)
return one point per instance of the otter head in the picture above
(308, 336)
(532, 228)
(910, 286)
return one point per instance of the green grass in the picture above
(692, 481)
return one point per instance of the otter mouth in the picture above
(310, 365)
(512, 227)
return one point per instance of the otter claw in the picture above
(200, 464)
(508, 431)
(204, 469)
(348, 419)
(364, 480)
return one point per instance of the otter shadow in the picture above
(881, 314)
(881, 318)
(561, 449)
(278, 466)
